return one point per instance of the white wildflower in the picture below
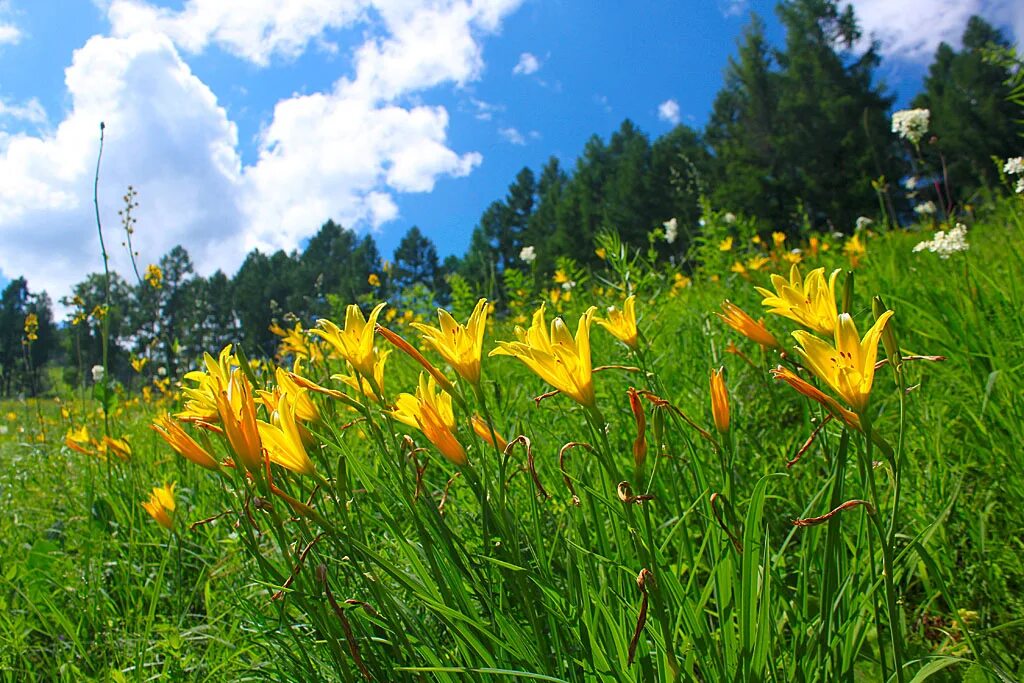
(97, 373)
(568, 286)
(1014, 166)
(671, 230)
(911, 183)
(162, 371)
(911, 124)
(1020, 186)
(945, 244)
(729, 218)
(528, 254)
(863, 222)
(925, 208)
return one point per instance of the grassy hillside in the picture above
(381, 557)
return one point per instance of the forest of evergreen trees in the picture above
(799, 138)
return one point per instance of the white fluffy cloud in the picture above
(668, 111)
(528, 64)
(9, 34)
(343, 153)
(912, 29)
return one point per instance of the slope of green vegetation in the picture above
(413, 566)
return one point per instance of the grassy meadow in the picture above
(633, 534)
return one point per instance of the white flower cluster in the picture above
(911, 124)
(671, 230)
(528, 254)
(863, 222)
(925, 208)
(1015, 166)
(98, 372)
(945, 244)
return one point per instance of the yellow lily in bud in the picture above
(355, 342)
(237, 413)
(809, 301)
(482, 430)
(815, 394)
(183, 443)
(461, 347)
(283, 439)
(160, 505)
(430, 411)
(736, 318)
(622, 324)
(201, 404)
(848, 368)
(719, 401)
(362, 384)
(556, 357)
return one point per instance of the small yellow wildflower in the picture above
(31, 327)
(854, 249)
(161, 505)
(778, 239)
(602, 253)
(725, 245)
(622, 324)
(373, 280)
(154, 276)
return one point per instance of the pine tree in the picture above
(971, 116)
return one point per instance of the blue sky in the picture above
(249, 127)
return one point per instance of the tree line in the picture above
(798, 138)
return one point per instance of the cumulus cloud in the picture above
(9, 34)
(911, 30)
(343, 153)
(528, 64)
(668, 111)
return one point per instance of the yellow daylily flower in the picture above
(622, 324)
(719, 401)
(778, 238)
(237, 412)
(736, 318)
(161, 505)
(556, 357)
(848, 368)
(362, 384)
(180, 440)
(809, 301)
(283, 439)
(294, 342)
(461, 347)
(305, 409)
(201, 404)
(725, 245)
(355, 342)
(430, 411)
